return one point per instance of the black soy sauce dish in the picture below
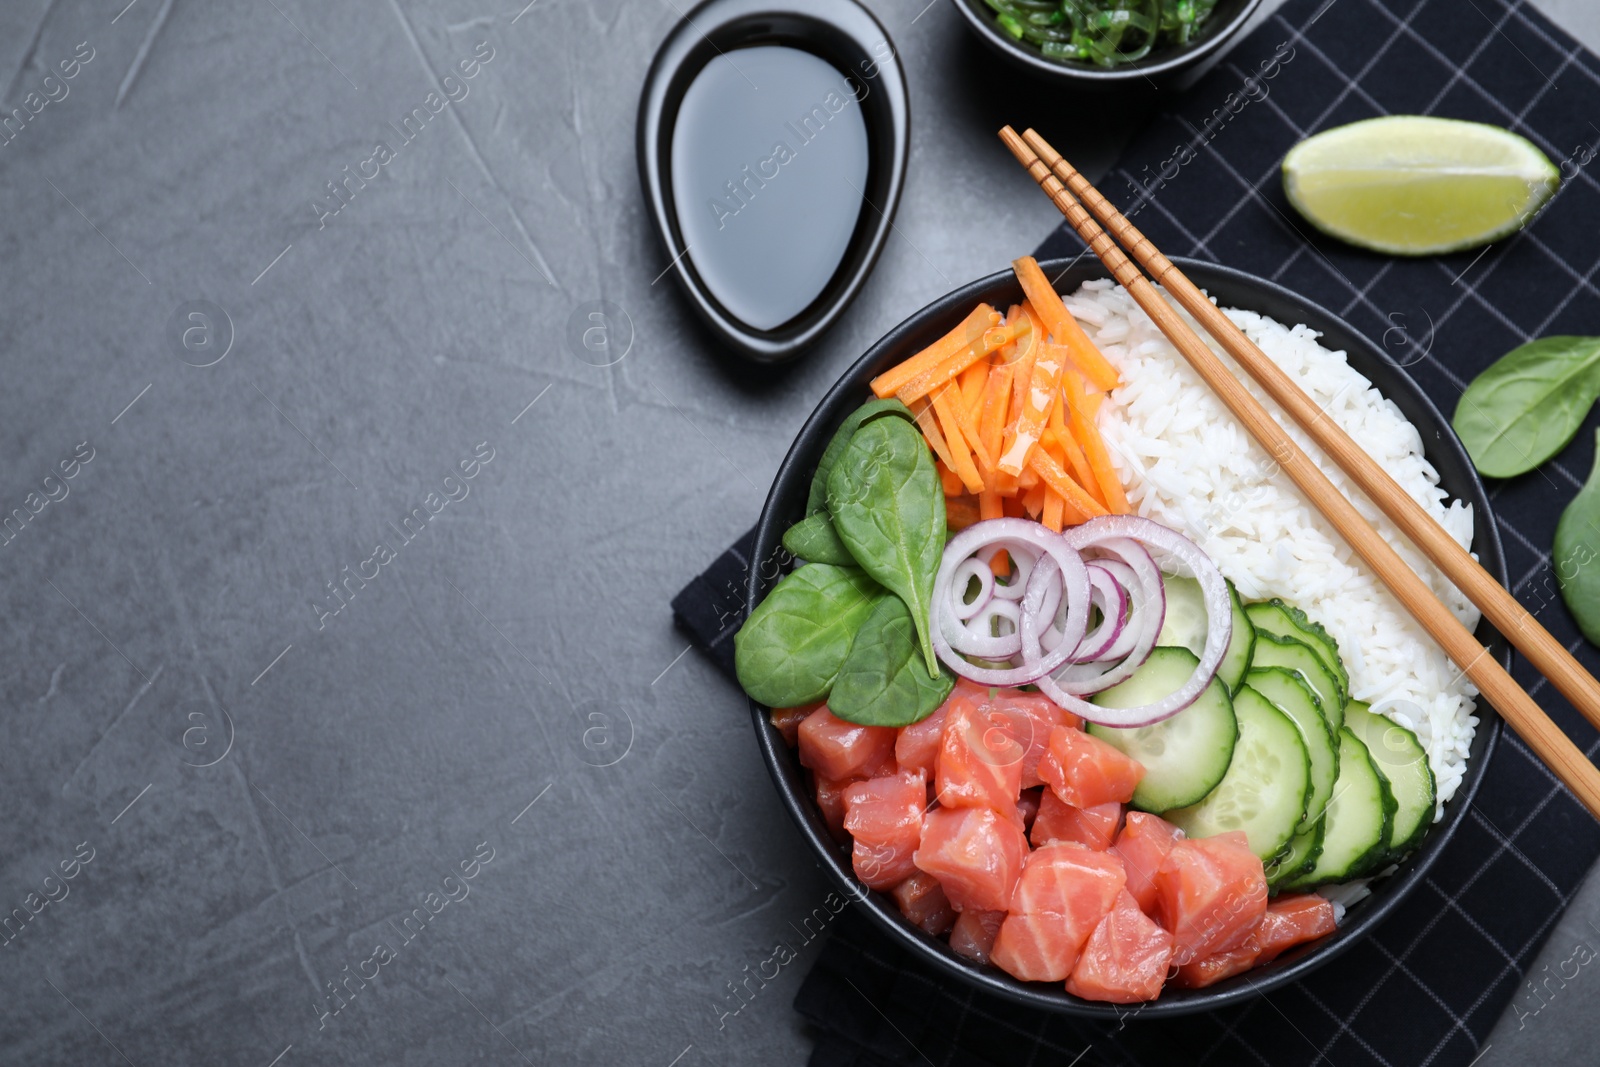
(787, 502)
(772, 146)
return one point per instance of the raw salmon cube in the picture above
(1209, 970)
(1028, 718)
(788, 720)
(830, 799)
(1057, 820)
(1028, 806)
(1142, 846)
(837, 749)
(1085, 771)
(1125, 960)
(974, 933)
(884, 815)
(1293, 919)
(916, 748)
(923, 902)
(1210, 895)
(979, 765)
(1063, 893)
(975, 853)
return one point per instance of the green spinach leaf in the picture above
(789, 650)
(883, 681)
(818, 499)
(888, 508)
(1528, 404)
(1576, 555)
(815, 540)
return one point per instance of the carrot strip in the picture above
(973, 379)
(1054, 506)
(947, 371)
(1094, 447)
(1071, 450)
(1062, 326)
(990, 506)
(960, 512)
(960, 458)
(930, 431)
(1053, 475)
(948, 479)
(1013, 507)
(889, 382)
(1033, 499)
(1037, 398)
(967, 420)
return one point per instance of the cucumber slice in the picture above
(1186, 622)
(1401, 759)
(1357, 821)
(1264, 792)
(1299, 858)
(1284, 620)
(1290, 695)
(1296, 655)
(1184, 757)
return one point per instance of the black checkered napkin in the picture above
(1428, 985)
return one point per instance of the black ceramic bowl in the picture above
(1164, 67)
(786, 504)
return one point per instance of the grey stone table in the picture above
(339, 674)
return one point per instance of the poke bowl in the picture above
(1350, 896)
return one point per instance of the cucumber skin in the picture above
(1335, 714)
(1226, 667)
(1276, 879)
(1142, 800)
(1398, 850)
(1293, 732)
(1312, 817)
(1377, 855)
(1318, 635)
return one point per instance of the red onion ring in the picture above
(1120, 534)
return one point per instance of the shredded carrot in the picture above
(1037, 398)
(960, 512)
(973, 380)
(1013, 506)
(948, 479)
(1054, 506)
(944, 405)
(1062, 326)
(1071, 451)
(967, 419)
(944, 373)
(992, 506)
(1053, 475)
(1094, 447)
(1033, 499)
(929, 425)
(889, 382)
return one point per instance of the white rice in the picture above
(1186, 462)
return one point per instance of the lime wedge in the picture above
(1412, 185)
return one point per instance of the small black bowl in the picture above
(846, 35)
(1167, 67)
(786, 504)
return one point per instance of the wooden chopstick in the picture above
(1546, 654)
(1518, 709)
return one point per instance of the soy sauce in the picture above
(769, 171)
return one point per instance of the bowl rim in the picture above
(1442, 448)
(981, 19)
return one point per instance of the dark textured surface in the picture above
(518, 641)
